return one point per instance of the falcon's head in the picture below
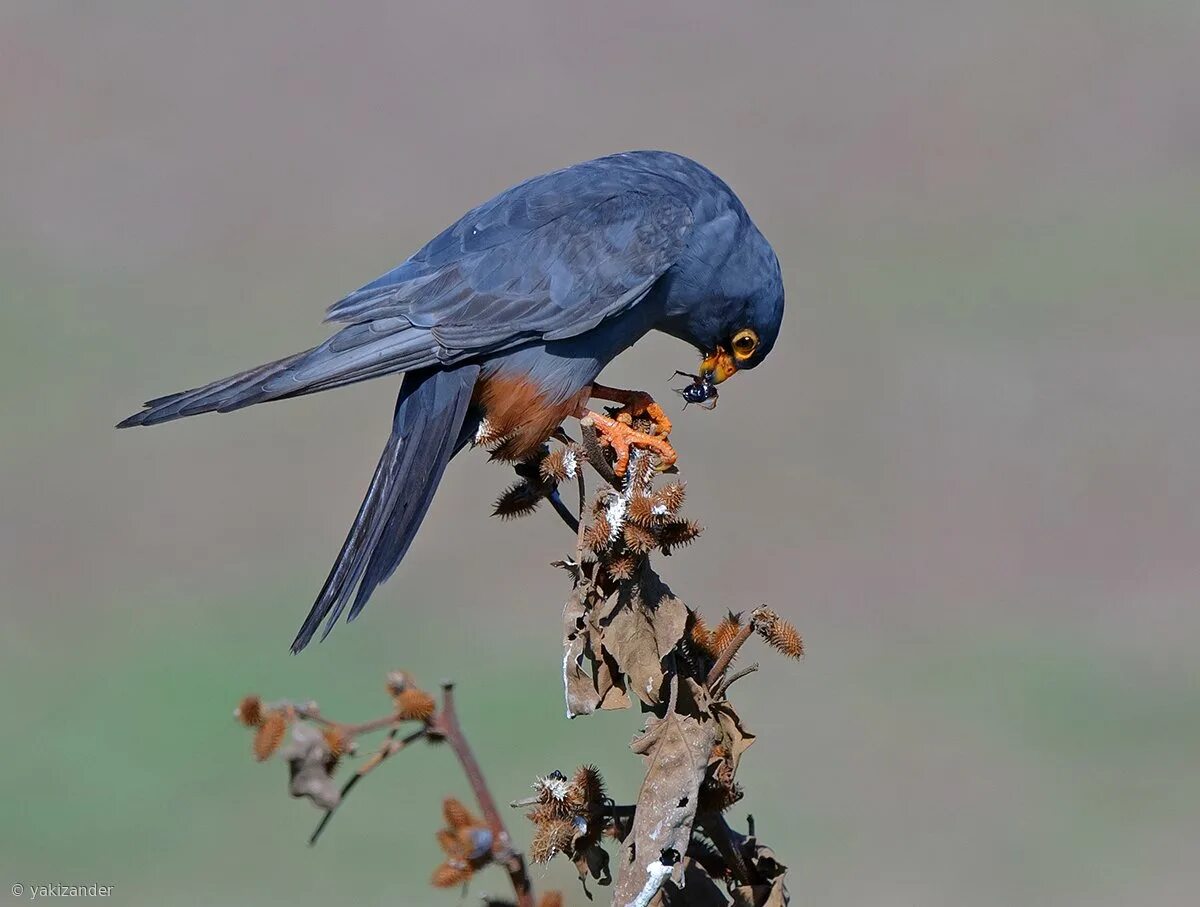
(732, 288)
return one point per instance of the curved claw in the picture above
(622, 438)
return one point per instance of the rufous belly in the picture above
(518, 416)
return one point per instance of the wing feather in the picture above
(549, 259)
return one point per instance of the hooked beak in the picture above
(719, 364)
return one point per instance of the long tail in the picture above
(355, 353)
(427, 430)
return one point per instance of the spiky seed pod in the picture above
(590, 783)
(575, 803)
(449, 843)
(457, 816)
(451, 874)
(551, 838)
(414, 705)
(719, 797)
(596, 536)
(678, 533)
(641, 510)
(518, 500)
(546, 812)
(780, 634)
(621, 568)
(670, 497)
(701, 636)
(553, 466)
(600, 503)
(337, 740)
(726, 630)
(639, 539)
(270, 733)
(551, 899)
(249, 711)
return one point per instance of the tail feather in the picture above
(427, 430)
(355, 353)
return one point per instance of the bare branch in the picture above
(446, 723)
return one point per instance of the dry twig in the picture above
(626, 637)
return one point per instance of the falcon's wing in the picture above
(548, 259)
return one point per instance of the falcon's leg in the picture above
(617, 431)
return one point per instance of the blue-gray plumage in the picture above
(503, 322)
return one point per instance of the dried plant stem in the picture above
(579, 523)
(447, 724)
(724, 685)
(367, 727)
(390, 747)
(313, 714)
(727, 655)
(595, 453)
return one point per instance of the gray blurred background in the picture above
(968, 472)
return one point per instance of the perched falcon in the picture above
(503, 322)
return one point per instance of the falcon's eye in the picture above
(745, 342)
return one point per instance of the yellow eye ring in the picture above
(745, 342)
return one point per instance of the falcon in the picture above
(502, 323)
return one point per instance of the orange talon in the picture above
(634, 404)
(622, 439)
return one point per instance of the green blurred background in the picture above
(968, 472)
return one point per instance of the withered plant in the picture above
(626, 639)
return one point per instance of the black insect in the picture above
(702, 391)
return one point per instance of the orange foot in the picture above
(617, 431)
(623, 439)
(634, 404)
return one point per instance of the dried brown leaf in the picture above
(593, 861)
(734, 737)
(310, 766)
(772, 892)
(591, 679)
(642, 629)
(676, 749)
